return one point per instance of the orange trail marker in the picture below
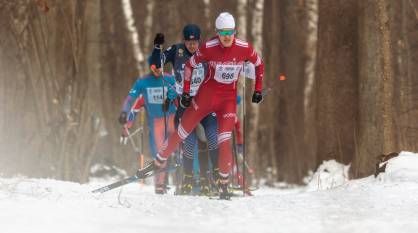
(43, 5)
(141, 166)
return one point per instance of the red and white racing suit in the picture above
(218, 93)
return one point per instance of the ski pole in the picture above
(244, 151)
(234, 144)
(163, 100)
(170, 86)
(141, 152)
(127, 135)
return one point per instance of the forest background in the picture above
(350, 94)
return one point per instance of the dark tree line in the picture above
(350, 94)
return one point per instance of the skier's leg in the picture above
(203, 161)
(210, 125)
(179, 152)
(191, 117)
(170, 124)
(152, 145)
(159, 179)
(188, 154)
(226, 119)
(170, 130)
(203, 158)
(179, 113)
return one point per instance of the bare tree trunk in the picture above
(135, 39)
(207, 15)
(310, 139)
(336, 74)
(401, 18)
(375, 125)
(148, 26)
(93, 61)
(119, 69)
(290, 144)
(252, 139)
(311, 53)
(389, 136)
(242, 18)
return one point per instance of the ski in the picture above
(147, 171)
(238, 188)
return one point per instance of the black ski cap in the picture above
(191, 32)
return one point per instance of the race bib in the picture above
(155, 94)
(197, 78)
(227, 73)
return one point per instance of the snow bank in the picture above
(402, 168)
(328, 175)
(358, 206)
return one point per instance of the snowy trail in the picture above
(366, 205)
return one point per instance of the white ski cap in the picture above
(225, 20)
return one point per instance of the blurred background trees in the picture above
(350, 94)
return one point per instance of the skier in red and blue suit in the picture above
(225, 55)
(178, 55)
(150, 88)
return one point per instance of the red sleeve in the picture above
(197, 58)
(259, 68)
(238, 132)
(139, 103)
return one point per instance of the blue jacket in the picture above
(150, 87)
(178, 55)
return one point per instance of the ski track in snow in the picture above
(365, 205)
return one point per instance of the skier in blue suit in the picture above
(160, 117)
(178, 55)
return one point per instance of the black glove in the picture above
(166, 105)
(257, 97)
(185, 100)
(122, 118)
(159, 39)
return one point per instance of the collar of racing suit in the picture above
(232, 45)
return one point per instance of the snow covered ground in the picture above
(388, 203)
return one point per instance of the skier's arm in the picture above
(139, 103)
(171, 92)
(191, 64)
(168, 54)
(259, 68)
(132, 96)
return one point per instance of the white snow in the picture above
(402, 168)
(364, 205)
(328, 175)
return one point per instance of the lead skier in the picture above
(178, 55)
(225, 55)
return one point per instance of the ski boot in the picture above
(214, 182)
(160, 189)
(187, 186)
(160, 181)
(151, 168)
(204, 187)
(147, 170)
(224, 193)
